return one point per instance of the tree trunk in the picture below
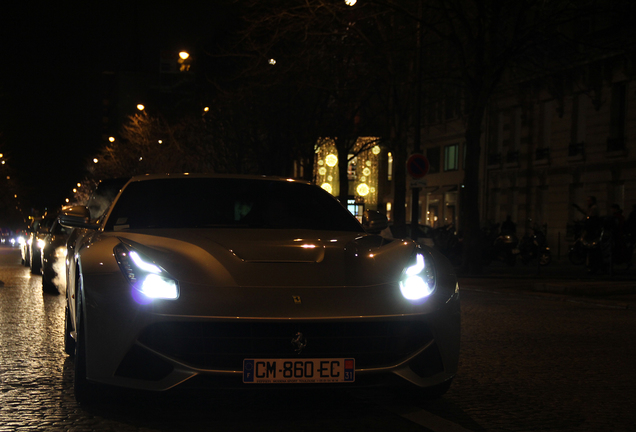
(470, 217)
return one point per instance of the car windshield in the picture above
(227, 202)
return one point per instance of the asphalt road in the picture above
(531, 360)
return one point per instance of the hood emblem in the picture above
(299, 342)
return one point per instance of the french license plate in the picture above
(286, 371)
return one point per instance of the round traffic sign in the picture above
(417, 166)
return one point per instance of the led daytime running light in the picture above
(418, 279)
(145, 277)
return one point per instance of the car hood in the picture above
(257, 257)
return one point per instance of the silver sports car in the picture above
(234, 281)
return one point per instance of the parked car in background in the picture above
(98, 204)
(53, 258)
(7, 237)
(252, 282)
(40, 229)
(26, 240)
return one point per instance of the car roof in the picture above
(146, 177)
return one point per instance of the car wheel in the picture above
(576, 256)
(69, 342)
(86, 392)
(49, 287)
(545, 259)
(35, 266)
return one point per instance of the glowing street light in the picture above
(183, 61)
(141, 107)
(111, 139)
(350, 2)
(95, 160)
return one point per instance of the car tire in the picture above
(35, 267)
(49, 287)
(545, 259)
(69, 342)
(86, 393)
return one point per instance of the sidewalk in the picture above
(558, 277)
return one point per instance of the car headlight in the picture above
(41, 243)
(145, 276)
(418, 278)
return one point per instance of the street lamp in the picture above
(141, 107)
(183, 61)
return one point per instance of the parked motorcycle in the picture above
(534, 245)
(499, 246)
(449, 243)
(590, 246)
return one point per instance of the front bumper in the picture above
(161, 345)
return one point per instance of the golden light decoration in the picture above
(375, 150)
(366, 171)
(331, 160)
(322, 171)
(363, 189)
(327, 187)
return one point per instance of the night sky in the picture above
(52, 56)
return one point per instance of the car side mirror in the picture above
(374, 222)
(76, 217)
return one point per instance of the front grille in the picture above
(224, 345)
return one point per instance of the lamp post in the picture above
(417, 132)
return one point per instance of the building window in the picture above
(546, 111)
(351, 167)
(451, 157)
(433, 156)
(616, 139)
